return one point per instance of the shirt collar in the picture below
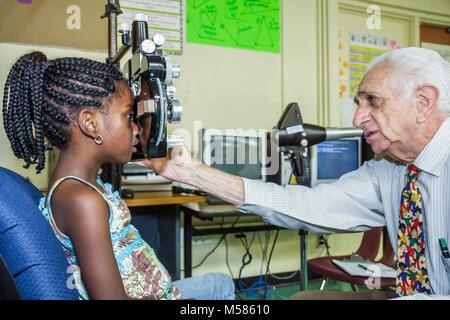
(433, 157)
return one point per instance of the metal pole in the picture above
(303, 260)
(112, 30)
(112, 172)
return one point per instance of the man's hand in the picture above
(180, 166)
(176, 166)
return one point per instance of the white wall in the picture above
(9, 53)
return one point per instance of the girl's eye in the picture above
(130, 115)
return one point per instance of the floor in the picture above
(285, 290)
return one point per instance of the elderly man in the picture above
(403, 107)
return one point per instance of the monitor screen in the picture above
(331, 159)
(238, 152)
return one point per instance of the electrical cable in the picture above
(226, 258)
(246, 258)
(260, 284)
(215, 247)
(290, 276)
(226, 249)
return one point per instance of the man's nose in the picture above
(362, 114)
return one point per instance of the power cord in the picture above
(260, 284)
(218, 243)
(323, 240)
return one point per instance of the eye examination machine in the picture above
(294, 139)
(149, 74)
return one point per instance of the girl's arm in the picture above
(84, 215)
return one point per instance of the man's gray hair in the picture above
(420, 66)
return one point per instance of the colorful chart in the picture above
(244, 24)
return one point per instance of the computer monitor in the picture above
(331, 159)
(236, 151)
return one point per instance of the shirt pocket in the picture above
(446, 262)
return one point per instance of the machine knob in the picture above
(140, 17)
(148, 46)
(159, 39)
(170, 90)
(124, 28)
(173, 141)
(176, 70)
(175, 111)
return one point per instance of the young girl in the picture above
(84, 108)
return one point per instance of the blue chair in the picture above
(28, 246)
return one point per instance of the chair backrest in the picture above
(388, 251)
(370, 243)
(8, 288)
(28, 245)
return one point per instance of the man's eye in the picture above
(372, 100)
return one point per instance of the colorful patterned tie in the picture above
(411, 264)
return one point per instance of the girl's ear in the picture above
(87, 123)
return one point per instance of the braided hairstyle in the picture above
(42, 97)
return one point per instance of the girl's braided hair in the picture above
(42, 96)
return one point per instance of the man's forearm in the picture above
(223, 185)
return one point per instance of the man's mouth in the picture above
(370, 134)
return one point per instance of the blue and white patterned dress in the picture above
(142, 273)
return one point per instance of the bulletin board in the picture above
(243, 24)
(61, 23)
(163, 17)
(358, 45)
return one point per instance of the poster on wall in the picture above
(62, 23)
(363, 49)
(243, 24)
(163, 17)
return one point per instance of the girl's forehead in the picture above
(122, 96)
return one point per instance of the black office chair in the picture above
(32, 265)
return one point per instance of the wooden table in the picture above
(156, 198)
(156, 214)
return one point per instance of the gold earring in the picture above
(99, 140)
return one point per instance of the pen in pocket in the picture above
(444, 248)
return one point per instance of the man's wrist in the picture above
(192, 172)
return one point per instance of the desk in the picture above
(156, 198)
(205, 211)
(156, 215)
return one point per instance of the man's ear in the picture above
(87, 123)
(427, 95)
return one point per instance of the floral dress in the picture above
(142, 273)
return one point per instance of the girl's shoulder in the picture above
(74, 202)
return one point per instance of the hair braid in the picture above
(41, 98)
